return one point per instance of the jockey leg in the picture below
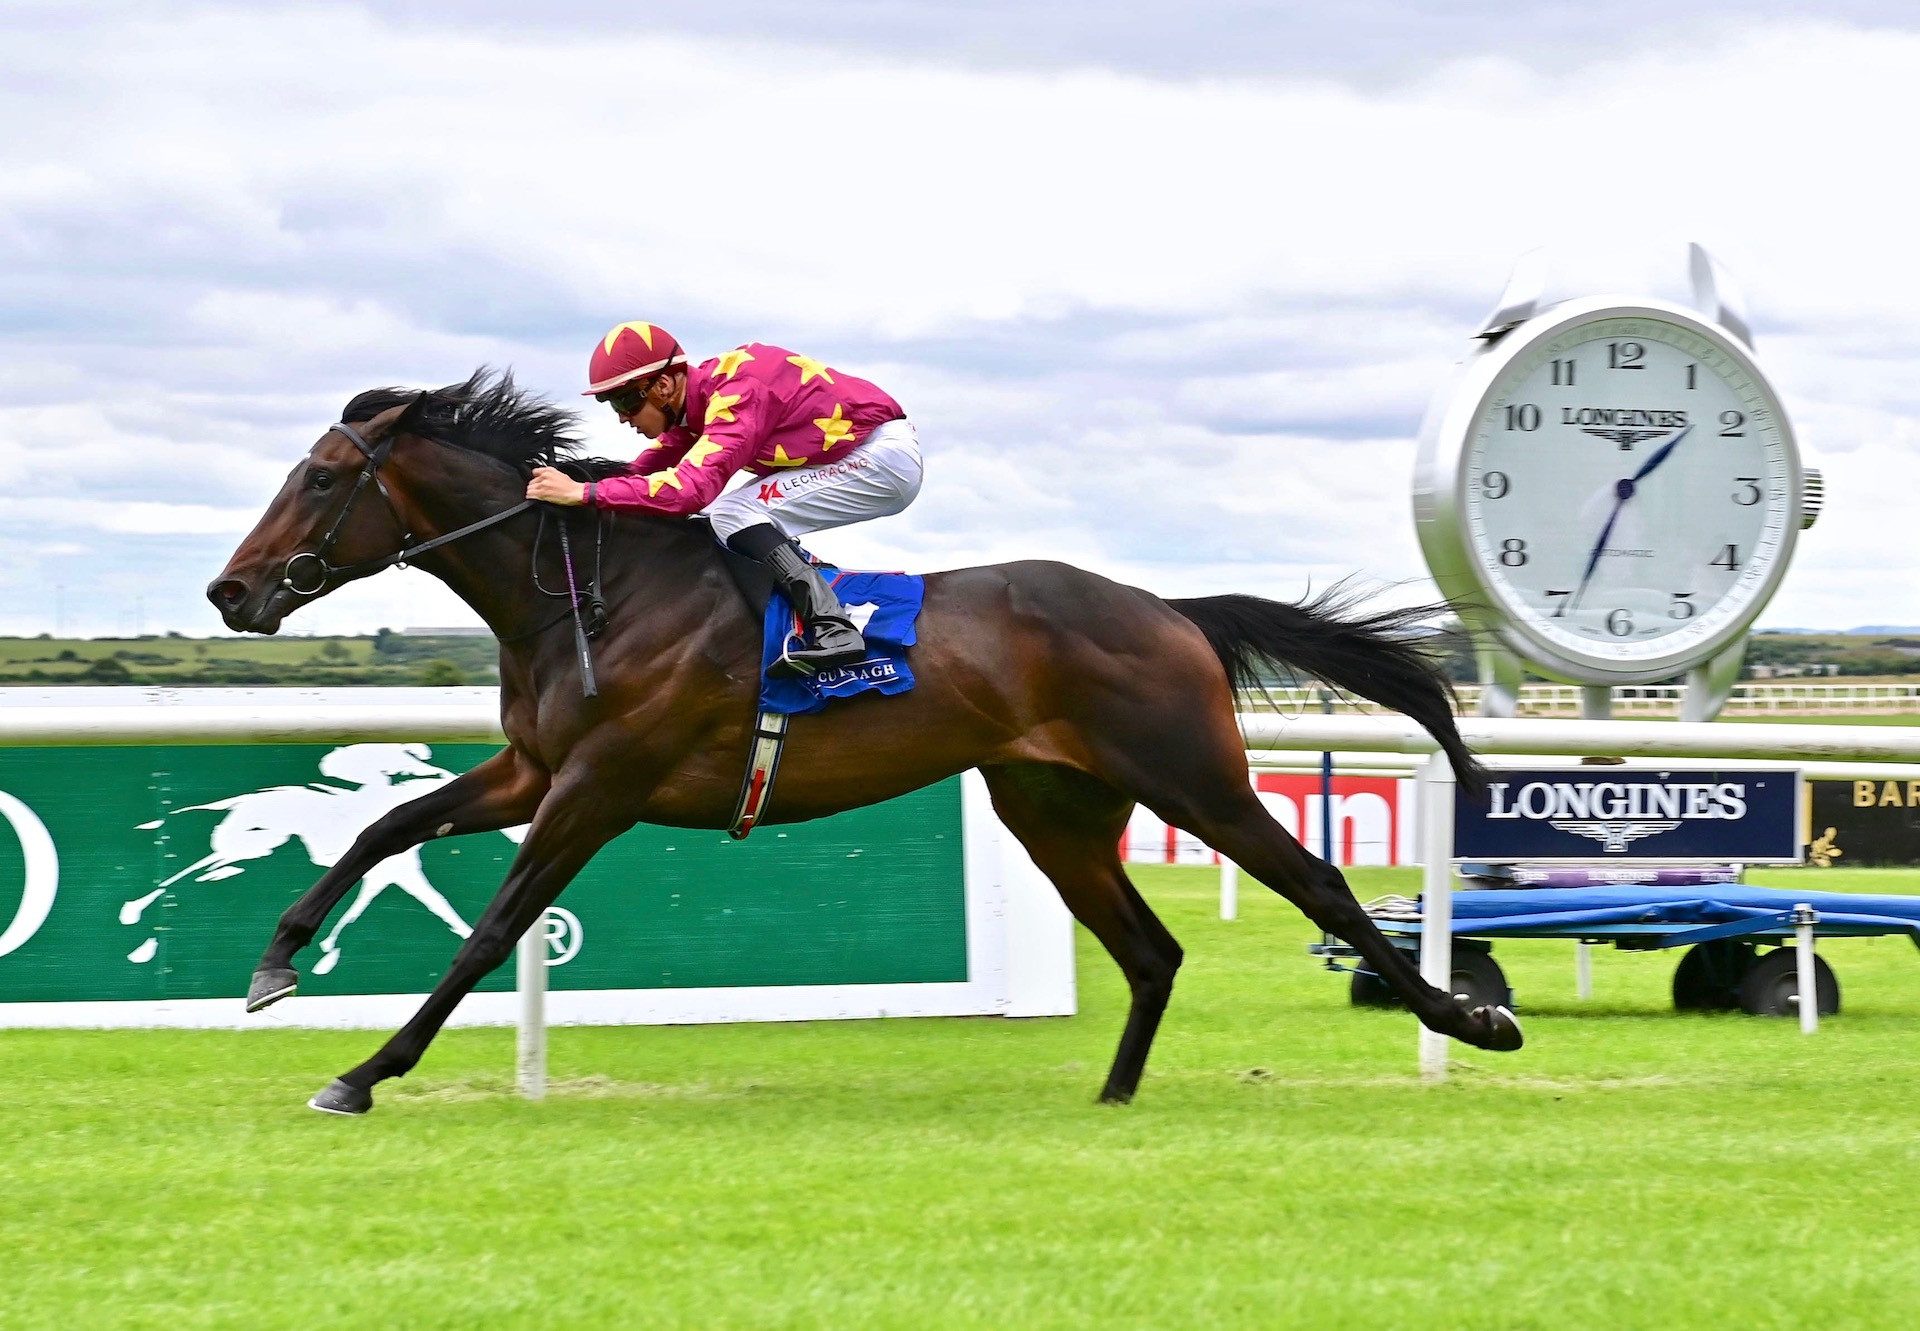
(761, 519)
(836, 642)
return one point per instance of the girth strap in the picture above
(763, 766)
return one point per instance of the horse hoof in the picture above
(270, 985)
(340, 1098)
(1502, 1029)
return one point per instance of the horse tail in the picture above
(1332, 638)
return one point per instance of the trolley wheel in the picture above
(1709, 975)
(1369, 990)
(1477, 977)
(1772, 987)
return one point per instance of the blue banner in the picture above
(1618, 814)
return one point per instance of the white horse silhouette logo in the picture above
(325, 818)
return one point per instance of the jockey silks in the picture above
(759, 408)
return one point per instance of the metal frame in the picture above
(1440, 483)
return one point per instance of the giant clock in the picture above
(1610, 490)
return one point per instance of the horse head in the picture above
(322, 529)
(443, 465)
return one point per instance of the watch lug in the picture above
(1710, 685)
(1715, 295)
(1521, 299)
(1501, 674)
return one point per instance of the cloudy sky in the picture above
(1166, 288)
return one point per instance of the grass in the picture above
(1282, 1167)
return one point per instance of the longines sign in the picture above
(1616, 813)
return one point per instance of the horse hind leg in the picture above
(1247, 834)
(1194, 775)
(1070, 824)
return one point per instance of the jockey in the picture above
(820, 448)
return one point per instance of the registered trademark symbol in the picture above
(563, 934)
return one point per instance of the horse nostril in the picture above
(227, 594)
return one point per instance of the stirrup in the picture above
(797, 667)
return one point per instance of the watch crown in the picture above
(1813, 496)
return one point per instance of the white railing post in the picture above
(530, 962)
(1436, 899)
(1804, 918)
(1583, 970)
(1229, 889)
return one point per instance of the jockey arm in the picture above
(701, 466)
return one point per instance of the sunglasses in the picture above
(627, 400)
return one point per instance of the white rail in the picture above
(1790, 697)
(479, 721)
(262, 722)
(1542, 736)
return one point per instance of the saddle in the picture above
(888, 611)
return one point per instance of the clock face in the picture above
(1628, 487)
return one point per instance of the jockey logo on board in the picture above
(363, 782)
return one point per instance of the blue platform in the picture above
(1662, 917)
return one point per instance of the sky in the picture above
(1166, 289)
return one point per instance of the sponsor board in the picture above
(1372, 822)
(1864, 822)
(156, 874)
(1578, 814)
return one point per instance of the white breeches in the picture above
(879, 477)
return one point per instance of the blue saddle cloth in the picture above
(884, 607)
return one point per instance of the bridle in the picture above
(330, 574)
(585, 626)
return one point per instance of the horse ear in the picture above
(414, 417)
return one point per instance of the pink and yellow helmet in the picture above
(631, 351)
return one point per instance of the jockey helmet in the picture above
(631, 351)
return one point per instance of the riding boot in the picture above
(836, 642)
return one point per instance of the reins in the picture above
(584, 628)
(599, 608)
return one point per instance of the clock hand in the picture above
(1624, 490)
(1647, 467)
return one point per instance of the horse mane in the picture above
(491, 415)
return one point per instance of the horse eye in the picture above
(321, 480)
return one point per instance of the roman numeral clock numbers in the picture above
(1624, 495)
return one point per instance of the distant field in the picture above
(1283, 1167)
(386, 659)
(186, 654)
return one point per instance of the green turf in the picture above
(1282, 1167)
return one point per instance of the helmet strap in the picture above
(675, 416)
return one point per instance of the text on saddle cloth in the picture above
(885, 607)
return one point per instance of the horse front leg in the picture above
(500, 792)
(568, 830)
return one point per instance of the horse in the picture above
(1076, 697)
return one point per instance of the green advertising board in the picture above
(139, 884)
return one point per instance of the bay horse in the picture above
(1075, 696)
